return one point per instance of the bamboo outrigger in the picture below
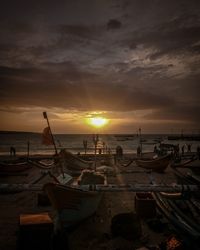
(107, 188)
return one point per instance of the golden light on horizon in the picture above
(97, 121)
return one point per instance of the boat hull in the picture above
(71, 204)
(157, 165)
(14, 167)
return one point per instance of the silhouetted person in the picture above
(183, 149)
(138, 151)
(178, 149)
(189, 147)
(12, 151)
(119, 151)
(198, 152)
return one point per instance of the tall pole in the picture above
(28, 149)
(46, 117)
(140, 133)
(95, 140)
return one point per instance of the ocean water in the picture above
(74, 142)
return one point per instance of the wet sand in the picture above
(94, 233)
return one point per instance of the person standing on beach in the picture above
(155, 150)
(138, 151)
(12, 151)
(118, 154)
(189, 147)
(183, 149)
(198, 152)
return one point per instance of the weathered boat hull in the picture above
(172, 196)
(72, 163)
(184, 225)
(157, 165)
(71, 204)
(14, 168)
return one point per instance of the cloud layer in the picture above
(115, 56)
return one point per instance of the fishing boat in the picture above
(124, 137)
(14, 167)
(42, 164)
(172, 196)
(182, 215)
(183, 163)
(72, 163)
(73, 204)
(192, 164)
(187, 178)
(158, 165)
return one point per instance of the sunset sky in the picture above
(136, 63)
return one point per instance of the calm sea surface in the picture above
(74, 143)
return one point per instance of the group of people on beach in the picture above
(177, 154)
(183, 148)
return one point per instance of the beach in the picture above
(94, 232)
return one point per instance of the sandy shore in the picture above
(94, 233)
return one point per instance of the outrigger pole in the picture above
(6, 188)
(46, 117)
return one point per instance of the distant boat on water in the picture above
(124, 137)
(184, 137)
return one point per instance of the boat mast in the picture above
(140, 134)
(46, 117)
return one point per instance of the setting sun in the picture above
(98, 121)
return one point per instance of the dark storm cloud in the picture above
(79, 30)
(71, 88)
(184, 113)
(113, 24)
(109, 55)
(171, 37)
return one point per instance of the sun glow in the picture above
(98, 122)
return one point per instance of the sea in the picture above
(25, 142)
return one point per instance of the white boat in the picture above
(73, 204)
(72, 163)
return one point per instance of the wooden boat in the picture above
(186, 178)
(184, 224)
(184, 137)
(183, 163)
(73, 204)
(172, 196)
(14, 167)
(73, 163)
(157, 165)
(192, 164)
(167, 146)
(42, 164)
